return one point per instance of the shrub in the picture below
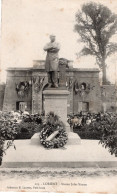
(29, 125)
(108, 128)
(89, 131)
(104, 130)
(8, 131)
(27, 130)
(12, 128)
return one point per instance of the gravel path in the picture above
(88, 180)
(34, 173)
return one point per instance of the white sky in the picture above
(26, 25)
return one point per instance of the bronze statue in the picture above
(52, 61)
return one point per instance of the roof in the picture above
(40, 65)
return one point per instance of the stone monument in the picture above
(55, 95)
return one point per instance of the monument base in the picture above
(89, 154)
(56, 101)
(73, 139)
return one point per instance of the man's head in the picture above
(52, 38)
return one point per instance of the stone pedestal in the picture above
(55, 100)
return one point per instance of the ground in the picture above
(59, 179)
(101, 179)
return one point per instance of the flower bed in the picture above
(12, 128)
(29, 125)
(90, 131)
(104, 128)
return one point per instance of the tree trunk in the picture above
(104, 81)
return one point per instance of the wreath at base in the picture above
(53, 133)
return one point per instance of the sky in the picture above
(27, 24)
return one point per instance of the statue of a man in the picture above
(52, 61)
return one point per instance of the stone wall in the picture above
(93, 97)
(2, 90)
(108, 97)
(15, 76)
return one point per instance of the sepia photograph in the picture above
(58, 96)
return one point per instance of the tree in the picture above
(96, 25)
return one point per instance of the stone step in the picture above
(73, 139)
(89, 154)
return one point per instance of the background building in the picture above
(24, 89)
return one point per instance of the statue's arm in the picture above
(55, 48)
(47, 47)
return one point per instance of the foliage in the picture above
(89, 131)
(103, 129)
(12, 128)
(109, 134)
(8, 131)
(33, 118)
(29, 125)
(27, 130)
(52, 125)
(96, 25)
